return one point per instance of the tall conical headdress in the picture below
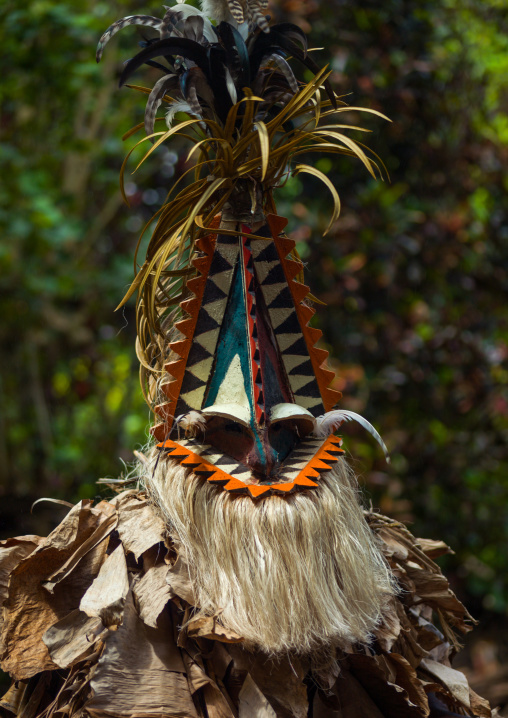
(229, 361)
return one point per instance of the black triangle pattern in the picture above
(208, 325)
(286, 326)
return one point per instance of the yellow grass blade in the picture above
(264, 144)
(307, 169)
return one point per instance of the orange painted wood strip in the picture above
(256, 490)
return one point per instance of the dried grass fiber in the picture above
(292, 573)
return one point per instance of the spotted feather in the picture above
(144, 20)
(237, 10)
(161, 87)
(257, 15)
(283, 66)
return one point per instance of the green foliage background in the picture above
(414, 273)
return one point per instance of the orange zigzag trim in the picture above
(299, 291)
(321, 461)
(186, 326)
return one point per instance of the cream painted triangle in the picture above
(279, 316)
(272, 291)
(201, 370)
(232, 388)
(263, 269)
(222, 280)
(287, 340)
(309, 402)
(291, 361)
(216, 309)
(208, 340)
(194, 398)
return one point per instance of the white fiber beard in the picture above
(297, 573)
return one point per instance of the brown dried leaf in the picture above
(140, 672)
(12, 552)
(11, 701)
(29, 609)
(407, 644)
(71, 637)
(216, 704)
(106, 596)
(382, 677)
(196, 675)
(139, 526)
(209, 627)
(29, 709)
(106, 522)
(221, 660)
(253, 703)
(351, 701)
(406, 677)
(152, 593)
(281, 681)
(433, 588)
(454, 681)
(428, 635)
(479, 705)
(180, 581)
(389, 629)
(441, 653)
(433, 549)
(392, 547)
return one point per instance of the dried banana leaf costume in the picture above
(240, 578)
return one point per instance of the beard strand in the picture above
(296, 573)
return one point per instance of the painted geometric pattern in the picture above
(296, 291)
(200, 329)
(299, 472)
(268, 264)
(281, 307)
(208, 324)
(176, 368)
(257, 383)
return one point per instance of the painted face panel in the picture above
(249, 367)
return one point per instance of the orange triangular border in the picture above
(186, 327)
(321, 461)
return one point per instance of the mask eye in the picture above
(234, 428)
(229, 437)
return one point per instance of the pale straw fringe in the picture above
(298, 573)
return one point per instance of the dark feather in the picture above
(216, 75)
(292, 32)
(238, 55)
(159, 66)
(171, 46)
